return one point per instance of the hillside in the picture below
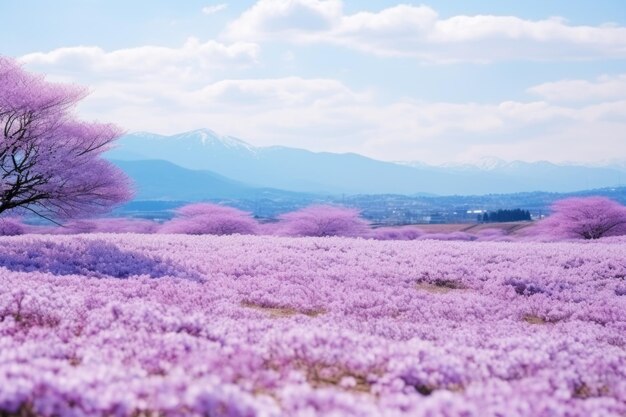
(301, 170)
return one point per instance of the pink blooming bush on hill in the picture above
(584, 218)
(320, 221)
(305, 327)
(210, 219)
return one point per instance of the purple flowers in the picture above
(276, 326)
(85, 257)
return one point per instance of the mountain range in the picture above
(192, 165)
(163, 180)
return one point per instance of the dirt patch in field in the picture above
(282, 312)
(440, 286)
(584, 391)
(345, 380)
(533, 319)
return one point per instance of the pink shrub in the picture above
(584, 218)
(323, 220)
(11, 227)
(396, 233)
(210, 219)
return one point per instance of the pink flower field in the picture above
(175, 325)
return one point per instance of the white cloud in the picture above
(603, 88)
(267, 17)
(215, 8)
(277, 93)
(575, 142)
(418, 31)
(193, 60)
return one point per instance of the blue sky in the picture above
(440, 81)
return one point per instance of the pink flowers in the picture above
(269, 326)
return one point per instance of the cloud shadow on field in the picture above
(91, 258)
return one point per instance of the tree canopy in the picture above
(50, 162)
(585, 218)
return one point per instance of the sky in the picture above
(437, 82)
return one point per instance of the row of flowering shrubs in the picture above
(213, 219)
(587, 218)
(177, 325)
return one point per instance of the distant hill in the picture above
(165, 181)
(300, 170)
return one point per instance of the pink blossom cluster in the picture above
(177, 325)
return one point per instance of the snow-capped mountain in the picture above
(323, 172)
(188, 147)
(487, 163)
(210, 138)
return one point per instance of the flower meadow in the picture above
(178, 325)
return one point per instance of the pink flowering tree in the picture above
(321, 220)
(50, 162)
(210, 219)
(585, 218)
